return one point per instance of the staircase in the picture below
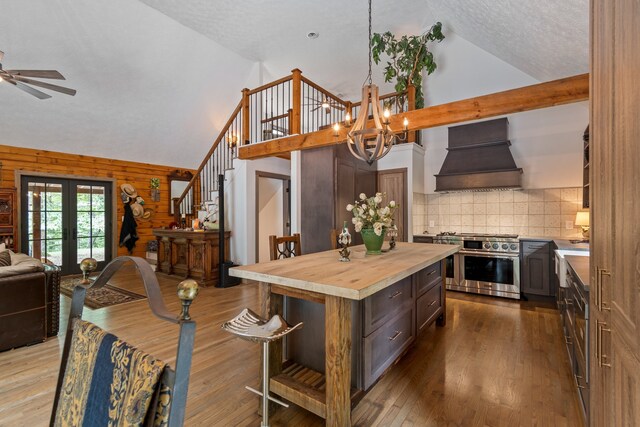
(288, 106)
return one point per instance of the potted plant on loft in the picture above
(408, 57)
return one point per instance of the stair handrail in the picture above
(216, 143)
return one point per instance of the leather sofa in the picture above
(29, 302)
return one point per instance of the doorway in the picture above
(273, 210)
(66, 220)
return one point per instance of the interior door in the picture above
(65, 221)
(393, 183)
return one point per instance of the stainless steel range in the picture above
(486, 264)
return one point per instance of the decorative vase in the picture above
(345, 240)
(372, 241)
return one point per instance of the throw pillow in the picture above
(3, 247)
(5, 259)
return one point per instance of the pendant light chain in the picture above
(369, 42)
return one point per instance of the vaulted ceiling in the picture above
(156, 79)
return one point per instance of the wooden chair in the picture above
(104, 380)
(333, 235)
(284, 247)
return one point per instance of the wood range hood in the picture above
(479, 159)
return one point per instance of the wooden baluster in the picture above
(411, 105)
(246, 137)
(296, 100)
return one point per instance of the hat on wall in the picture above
(146, 215)
(137, 210)
(129, 190)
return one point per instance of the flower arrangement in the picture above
(367, 213)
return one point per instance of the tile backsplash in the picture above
(539, 212)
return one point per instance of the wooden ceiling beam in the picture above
(542, 95)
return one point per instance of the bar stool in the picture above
(251, 327)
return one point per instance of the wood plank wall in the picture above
(138, 174)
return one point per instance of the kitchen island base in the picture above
(387, 295)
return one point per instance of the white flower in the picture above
(392, 204)
(363, 196)
(372, 212)
(378, 194)
(349, 207)
(358, 225)
(377, 228)
(377, 199)
(354, 220)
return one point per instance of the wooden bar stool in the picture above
(251, 327)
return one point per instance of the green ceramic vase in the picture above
(372, 241)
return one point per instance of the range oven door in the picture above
(490, 273)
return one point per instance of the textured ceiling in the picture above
(256, 29)
(547, 39)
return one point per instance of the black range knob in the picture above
(487, 245)
(513, 247)
(505, 246)
(495, 246)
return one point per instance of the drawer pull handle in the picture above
(431, 272)
(397, 293)
(396, 335)
(431, 303)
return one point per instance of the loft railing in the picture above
(288, 106)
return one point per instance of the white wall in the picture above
(546, 143)
(411, 157)
(240, 193)
(149, 89)
(270, 213)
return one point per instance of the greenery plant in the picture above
(408, 57)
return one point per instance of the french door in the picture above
(66, 220)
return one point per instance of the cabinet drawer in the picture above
(427, 277)
(383, 347)
(428, 306)
(383, 305)
(422, 239)
(529, 247)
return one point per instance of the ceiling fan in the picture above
(19, 79)
(326, 104)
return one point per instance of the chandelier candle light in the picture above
(370, 144)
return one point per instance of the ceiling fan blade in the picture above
(38, 94)
(317, 108)
(338, 107)
(42, 74)
(49, 86)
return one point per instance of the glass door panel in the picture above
(91, 223)
(44, 221)
(67, 221)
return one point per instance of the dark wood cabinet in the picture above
(384, 325)
(535, 268)
(8, 222)
(331, 178)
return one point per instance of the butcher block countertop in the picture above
(363, 276)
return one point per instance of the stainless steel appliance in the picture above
(452, 272)
(486, 264)
(579, 321)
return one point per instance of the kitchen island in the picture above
(396, 294)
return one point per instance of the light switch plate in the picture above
(568, 225)
(432, 223)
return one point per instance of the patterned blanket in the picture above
(107, 382)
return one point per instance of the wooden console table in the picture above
(190, 254)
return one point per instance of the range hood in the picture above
(479, 159)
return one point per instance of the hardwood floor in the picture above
(496, 363)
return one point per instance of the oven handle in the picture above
(489, 254)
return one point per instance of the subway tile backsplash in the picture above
(538, 212)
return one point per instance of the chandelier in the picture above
(370, 144)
